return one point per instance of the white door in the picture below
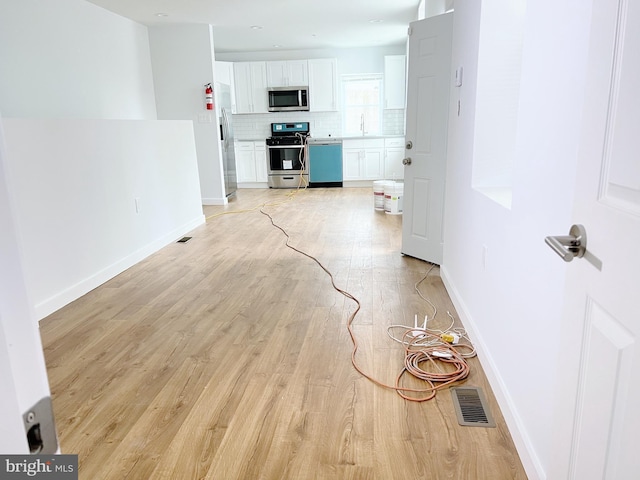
(598, 418)
(429, 80)
(23, 373)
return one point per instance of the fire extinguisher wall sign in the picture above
(208, 93)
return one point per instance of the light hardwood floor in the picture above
(228, 357)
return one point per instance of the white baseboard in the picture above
(69, 294)
(358, 183)
(215, 201)
(527, 453)
(253, 185)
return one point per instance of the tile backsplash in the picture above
(321, 124)
(393, 122)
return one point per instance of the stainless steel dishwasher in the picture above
(325, 162)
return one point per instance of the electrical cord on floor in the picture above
(302, 185)
(289, 196)
(426, 349)
(422, 346)
(433, 336)
(416, 287)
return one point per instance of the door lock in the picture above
(569, 246)
(40, 428)
(409, 145)
(406, 161)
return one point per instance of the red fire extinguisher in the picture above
(208, 93)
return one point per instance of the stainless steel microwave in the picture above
(288, 99)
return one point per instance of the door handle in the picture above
(569, 246)
(406, 161)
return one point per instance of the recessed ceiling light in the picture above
(162, 14)
(376, 21)
(256, 27)
(276, 46)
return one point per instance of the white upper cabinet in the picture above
(224, 75)
(223, 72)
(323, 85)
(250, 80)
(291, 73)
(395, 81)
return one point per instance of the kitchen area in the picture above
(293, 127)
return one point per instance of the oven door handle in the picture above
(285, 146)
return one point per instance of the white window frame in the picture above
(350, 130)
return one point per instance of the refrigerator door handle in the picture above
(225, 129)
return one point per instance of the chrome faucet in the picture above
(362, 124)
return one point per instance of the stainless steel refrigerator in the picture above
(226, 137)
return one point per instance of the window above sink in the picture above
(362, 97)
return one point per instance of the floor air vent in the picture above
(184, 240)
(471, 407)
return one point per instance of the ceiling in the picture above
(268, 25)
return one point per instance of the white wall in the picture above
(76, 189)
(69, 58)
(183, 62)
(505, 282)
(430, 8)
(500, 67)
(87, 74)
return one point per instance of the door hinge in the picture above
(409, 31)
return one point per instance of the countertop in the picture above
(359, 137)
(314, 140)
(325, 138)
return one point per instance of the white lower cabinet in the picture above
(261, 161)
(350, 162)
(251, 161)
(393, 155)
(373, 163)
(245, 162)
(373, 159)
(363, 159)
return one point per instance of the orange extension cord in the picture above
(415, 355)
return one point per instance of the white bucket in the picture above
(393, 198)
(378, 194)
(389, 188)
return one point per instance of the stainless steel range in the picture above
(287, 155)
